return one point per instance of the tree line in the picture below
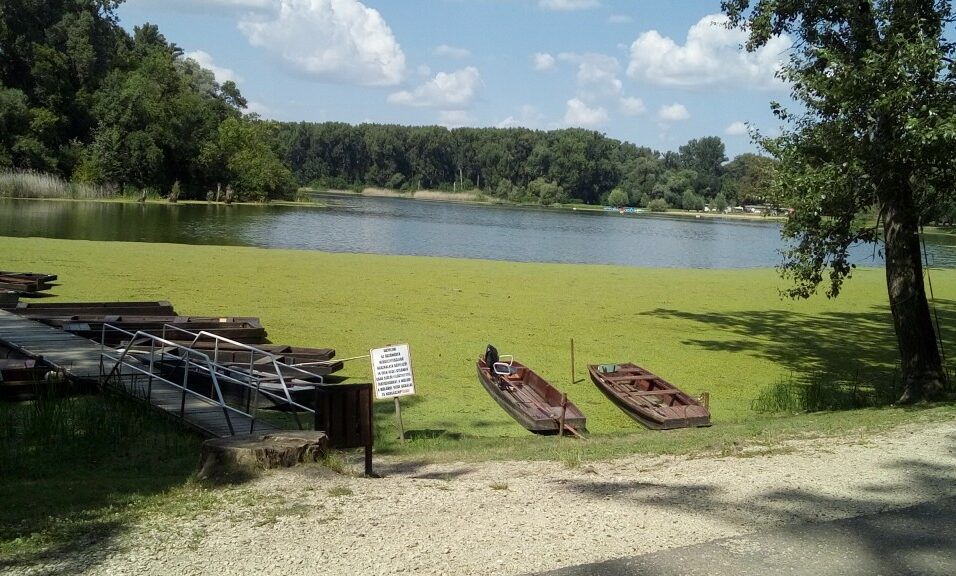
(521, 165)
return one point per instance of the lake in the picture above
(400, 226)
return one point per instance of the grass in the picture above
(339, 491)
(75, 471)
(727, 332)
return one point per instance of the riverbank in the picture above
(481, 199)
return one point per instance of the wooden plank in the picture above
(80, 358)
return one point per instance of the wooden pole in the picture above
(564, 410)
(398, 415)
(572, 360)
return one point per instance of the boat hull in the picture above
(530, 400)
(648, 398)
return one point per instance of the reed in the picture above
(29, 184)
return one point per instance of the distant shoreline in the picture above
(477, 198)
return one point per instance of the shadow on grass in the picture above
(75, 472)
(852, 351)
(431, 434)
(868, 533)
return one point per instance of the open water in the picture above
(399, 226)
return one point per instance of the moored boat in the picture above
(527, 397)
(648, 398)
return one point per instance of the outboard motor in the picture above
(491, 357)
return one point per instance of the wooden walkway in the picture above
(79, 359)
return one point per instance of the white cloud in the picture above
(711, 56)
(452, 51)
(205, 5)
(631, 106)
(619, 19)
(597, 76)
(424, 70)
(332, 40)
(568, 5)
(455, 119)
(579, 114)
(736, 129)
(454, 90)
(204, 59)
(673, 113)
(543, 61)
(528, 117)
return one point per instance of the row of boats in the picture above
(541, 408)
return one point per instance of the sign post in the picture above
(392, 372)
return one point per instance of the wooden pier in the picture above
(79, 359)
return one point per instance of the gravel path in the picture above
(519, 517)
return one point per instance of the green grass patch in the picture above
(75, 471)
(727, 332)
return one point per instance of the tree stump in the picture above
(250, 452)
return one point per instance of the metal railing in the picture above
(161, 359)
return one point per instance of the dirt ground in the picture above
(521, 517)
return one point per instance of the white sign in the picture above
(392, 371)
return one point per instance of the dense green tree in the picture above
(875, 79)
(706, 157)
(57, 53)
(641, 173)
(747, 178)
(247, 148)
(546, 192)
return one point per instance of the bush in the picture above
(618, 197)
(692, 201)
(658, 205)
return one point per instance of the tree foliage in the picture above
(505, 163)
(82, 98)
(876, 82)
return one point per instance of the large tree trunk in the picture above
(923, 374)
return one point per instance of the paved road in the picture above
(920, 540)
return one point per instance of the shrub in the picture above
(657, 205)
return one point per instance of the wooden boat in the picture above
(67, 309)
(26, 282)
(248, 330)
(528, 397)
(648, 398)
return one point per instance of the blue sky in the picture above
(653, 73)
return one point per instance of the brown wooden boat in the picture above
(248, 330)
(648, 398)
(527, 397)
(26, 282)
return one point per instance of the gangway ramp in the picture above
(75, 356)
(136, 375)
